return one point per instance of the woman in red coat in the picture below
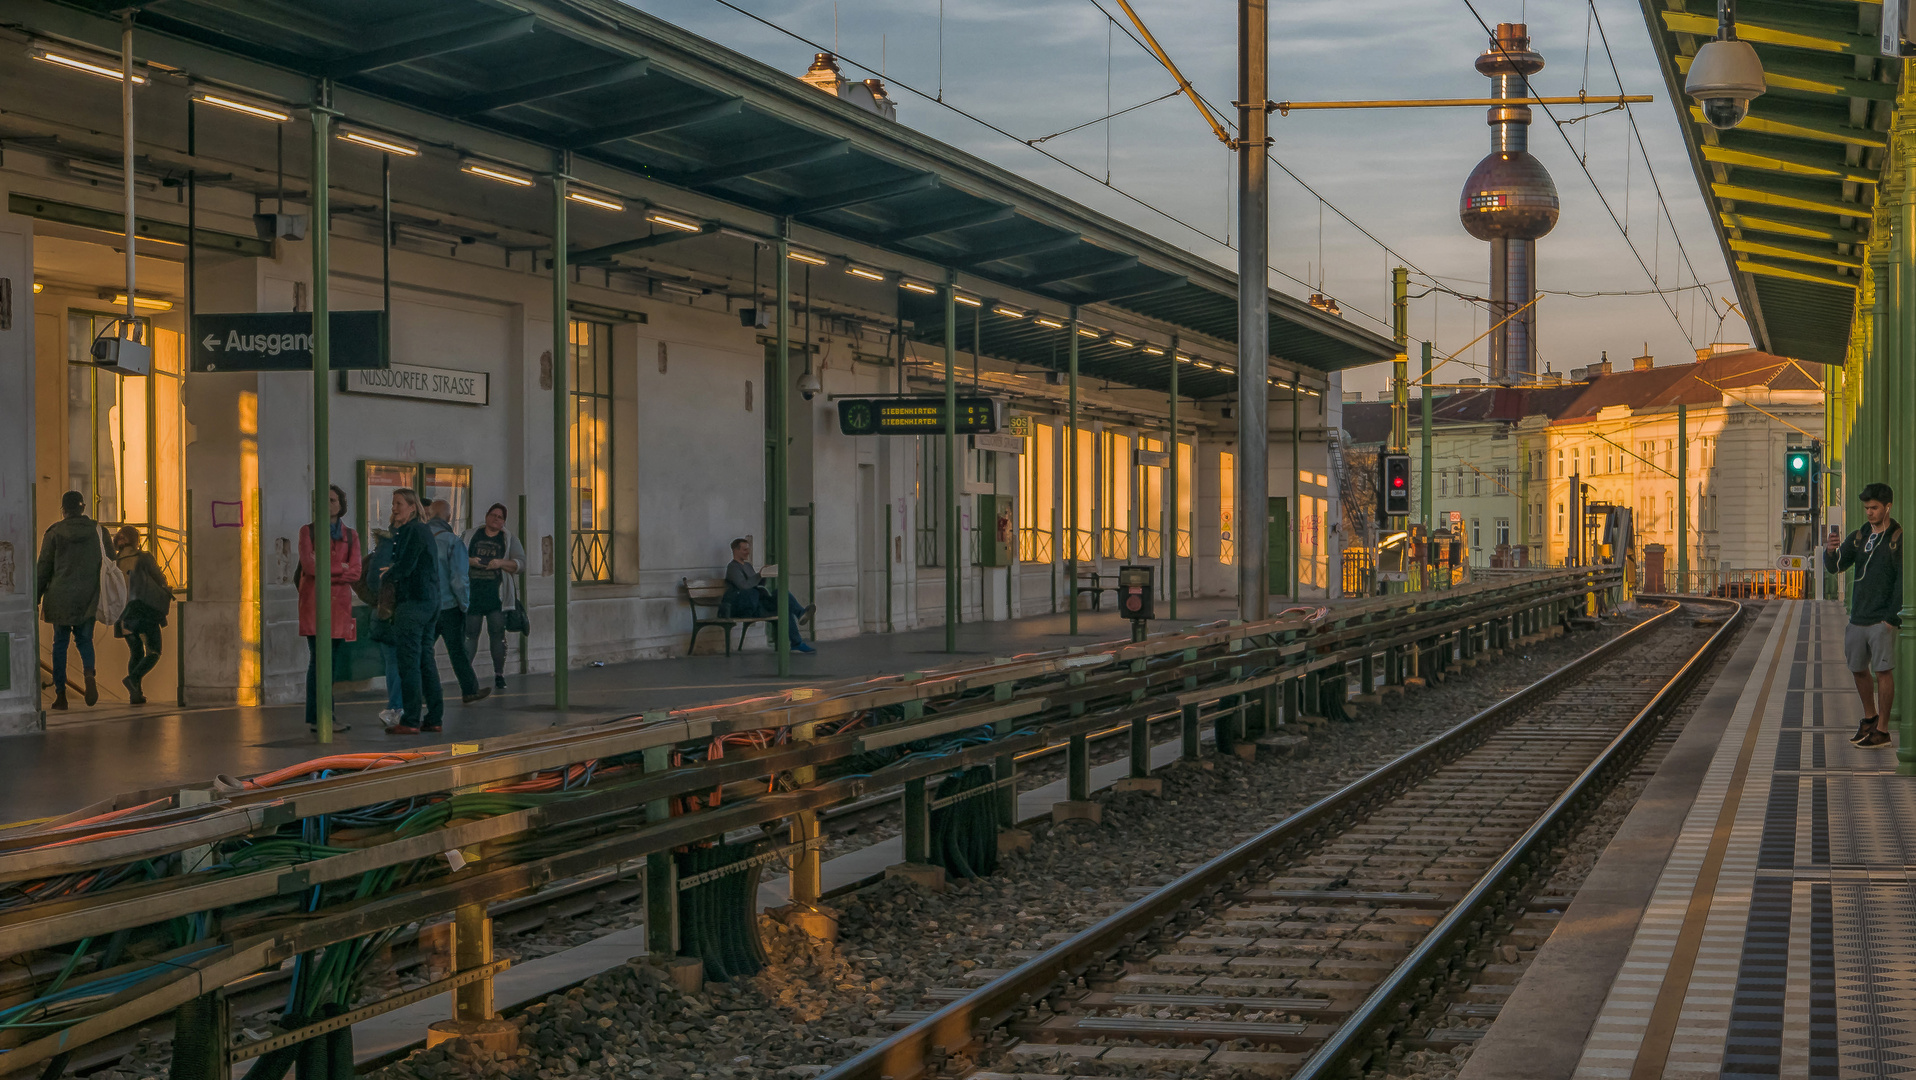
(346, 567)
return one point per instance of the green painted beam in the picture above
(1776, 32)
(111, 221)
(1801, 127)
(1743, 193)
(1751, 266)
(430, 45)
(1792, 164)
(1784, 223)
(1807, 76)
(1804, 253)
(868, 193)
(656, 123)
(764, 163)
(557, 86)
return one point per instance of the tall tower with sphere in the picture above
(1510, 201)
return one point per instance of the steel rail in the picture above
(1378, 1018)
(916, 1049)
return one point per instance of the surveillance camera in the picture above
(1723, 78)
(808, 386)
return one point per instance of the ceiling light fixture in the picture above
(495, 172)
(378, 141)
(1009, 313)
(90, 67)
(250, 108)
(805, 257)
(1153, 350)
(861, 272)
(143, 303)
(1052, 323)
(672, 220)
(39, 286)
(967, 301)
(917, 287)
(597, 199)
(1121, 343)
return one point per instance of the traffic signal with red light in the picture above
(1396, 485)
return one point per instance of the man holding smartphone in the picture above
(1869, 641)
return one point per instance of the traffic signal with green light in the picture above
(1799, 478)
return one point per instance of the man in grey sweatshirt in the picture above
(746, 594)
(1869, 641)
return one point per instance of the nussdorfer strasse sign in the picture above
(915, 416)
(283, 341)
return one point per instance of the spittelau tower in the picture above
(1510, 201)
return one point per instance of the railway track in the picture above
(1357, 927)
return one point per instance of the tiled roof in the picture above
(1691, 384)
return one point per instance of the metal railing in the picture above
(631, 777)
(1729, 584)
(1034, 545)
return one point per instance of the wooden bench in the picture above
(705, 595)
(1090, 581)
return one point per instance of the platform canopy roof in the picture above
(1792, 189)
(528, 79)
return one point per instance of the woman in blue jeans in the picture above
(375, 567)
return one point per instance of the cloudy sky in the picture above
(1036, 67)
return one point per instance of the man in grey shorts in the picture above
(1869, 641)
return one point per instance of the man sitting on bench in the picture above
(746, 595)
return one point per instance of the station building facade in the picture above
(1505, 460)
(671, 294)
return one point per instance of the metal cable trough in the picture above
(209, 884)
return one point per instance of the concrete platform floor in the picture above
(92, 755)
(1755, 915)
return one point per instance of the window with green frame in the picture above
(591, 511)
(379, 479)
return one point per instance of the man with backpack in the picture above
(455, 596)
(67, 578)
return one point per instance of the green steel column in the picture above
(1297, 492)
(561, 447)
(1901, 402)
(1171, 501)
(1683, 499)
(1400, 364)
(775, 400)
(1423, 478)
(1071, 470)
(953, 547)
(320, 226)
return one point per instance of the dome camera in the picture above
(1723, 78)
(808, 386)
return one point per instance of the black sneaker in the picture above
(498, 682)
(1877, 740)
(1863, 728)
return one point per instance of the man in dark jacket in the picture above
(1869, 641)
(67, 578)
(747, 595)
(414, 576)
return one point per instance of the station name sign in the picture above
(448, 385)
(283, 341)
(915, 416)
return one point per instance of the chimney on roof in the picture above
(1353, 395)
(1643, 363)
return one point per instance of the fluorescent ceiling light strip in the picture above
(917, 287)
(805, 257)
(495, 172)
(233, 104)
(968, 301)
(673, 221)
(90, 67)
(861, 272)
(593, 198)
(384, 143)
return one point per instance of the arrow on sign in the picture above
(210, 342)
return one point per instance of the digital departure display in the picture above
(915, 416)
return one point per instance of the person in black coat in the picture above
(413, 582)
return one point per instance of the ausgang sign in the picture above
(449, 385)
(283, 341)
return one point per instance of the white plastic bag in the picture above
(112, 584)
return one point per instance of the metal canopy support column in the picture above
(1253, 314)
(1071, 467)
(561, 445)
(1424, 477)
(1901, 435)
(1683, 501)
(320, 228)
(952, 545)
(1297, 490)
(775, 401)
(1171, 501)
